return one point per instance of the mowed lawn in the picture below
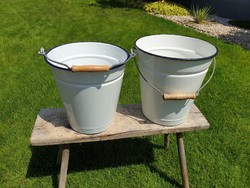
(217, 157)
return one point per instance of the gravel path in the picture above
(217, 27)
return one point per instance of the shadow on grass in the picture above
(43, 163)
(164, 176)
(90, 156)
(109, 4)
(94, 156)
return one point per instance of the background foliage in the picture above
(166, 8)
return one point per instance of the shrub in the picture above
(200, 14)
(166, 8)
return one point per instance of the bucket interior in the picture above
(174, 53)
(90, 60)
(87, 53)
(176, 47)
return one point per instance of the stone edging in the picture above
(217, 27)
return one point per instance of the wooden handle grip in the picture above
(179, 96)
(90, 68)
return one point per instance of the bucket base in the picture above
(165, 122)
(92, 131)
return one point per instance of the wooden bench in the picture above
(52, 128)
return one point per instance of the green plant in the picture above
(166, 8)
(200, 14)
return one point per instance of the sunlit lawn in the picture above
(217, 157)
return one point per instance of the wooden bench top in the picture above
(52, 126)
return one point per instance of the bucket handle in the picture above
(90, 68)
(85, 68)
(176, 96)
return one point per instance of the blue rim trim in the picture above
(180, 59)
(114, 67)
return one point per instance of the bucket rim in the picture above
(176, 58)
(102, 43)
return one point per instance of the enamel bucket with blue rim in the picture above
(172, 69)
(89, 77)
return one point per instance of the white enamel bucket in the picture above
(172, 69)
(89, 77)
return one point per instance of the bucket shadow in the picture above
(55, 116)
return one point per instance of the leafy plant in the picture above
(200, 14)
(166, 8)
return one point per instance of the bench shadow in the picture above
(109, 154)
(43, 163)
(164, 176)
(90, 156)
(94, 156)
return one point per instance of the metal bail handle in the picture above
(175, 96)
(43, 53)
(87, 68)
(76, 68)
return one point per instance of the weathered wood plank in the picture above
(166, 141)
(182, 159)
(52, 127)
(64, 166)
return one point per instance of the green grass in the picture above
(217, 157)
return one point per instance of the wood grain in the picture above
(90, 68)
(52, 126)
(179, 96)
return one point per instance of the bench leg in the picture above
(182, 158)
(63, 158)
(166, 141)
(59, 155)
